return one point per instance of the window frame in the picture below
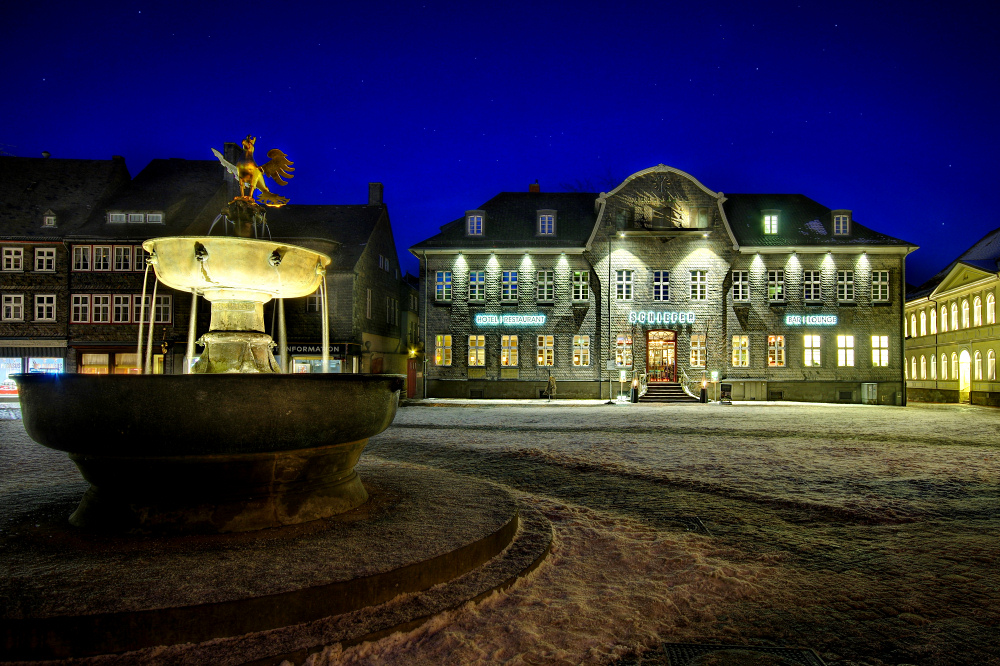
(880, 287)
(477, 343)
(118, 303)
(699, 285)
(581, 351)
(474, 224)
(880, 351)
(110, 258)
(991, 309)
(741, 286)
(624, 283)
(122, 251)
(775, 351)
(845, 351)
(442, 350)
(43, 256)
(812, 350)
(661, 285)
(741, 351)
(845, 286)
(546, 350)
(15, 304)
(13, 259)
(41, 304)
(770, 223)
(812, 280)
(508, 286)
(776, 286)
(581, 286)
(837, 221)
(545, 286)
(698, 352)
(477, 286)
(545, 223)
(509, 351)
(102, 307)
(79, 303)
(85, 252)
(442, 286)
(977, 311)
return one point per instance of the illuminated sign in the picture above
(660, 317)
(483, 319)
(811, 320)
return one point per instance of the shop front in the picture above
(661, 355)
(307, 358)
(29, 356)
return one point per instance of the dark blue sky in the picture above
(883, 108)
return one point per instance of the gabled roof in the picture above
(509, 222)
(802, 222)
(984, 255)
(71, 189)
(349, 225)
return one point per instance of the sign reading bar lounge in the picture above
(660, 317)
(483, 319)
(811, 320)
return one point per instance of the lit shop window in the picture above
(944, 367)
(545, 288)
(741, 351)
(845, 350)
(581, 285)
(880, 286)
(45, 259)
(9, 366)
(81, 257)
(477, 350)
(477, 285)
(698, 350)
(977, 312)
(699, 285)
(811, 286)
(741, 286)
(811, 344)
(623, 351)
(933, 321)
(880, 351)
(508, 350)
(770, 224)
(776, 286)
(546, 350)
(508, 286)
(442, 286)
(776, 351)
(45, 307)
(442, 350)
(661, 285)
(45, 365)
(13, 307)
(965, 313)
(475, 225)
(845, 286)
(13, 258)
(623, 284)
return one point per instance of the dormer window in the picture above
(136, 218)
(841, 222)
(546, 223)
(116, 218)
(49, 219)
(770, 221)
(474, 223)
(154, 218)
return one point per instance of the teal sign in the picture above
(810, 320)
(660, 317)
(483, 319)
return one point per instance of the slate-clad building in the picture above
(663, 280)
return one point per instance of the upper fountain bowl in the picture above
(223, 263)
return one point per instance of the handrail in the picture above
(643, 384)
(684, 384)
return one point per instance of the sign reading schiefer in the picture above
(483, 319)
(660, 317)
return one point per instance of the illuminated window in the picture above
(991, 309)
(13, 259)
(845, 350)
(812, 350)
(45, 307)
(442, 350)
(954, 316)
(880, 286)
(81, 257)
(880, 351)
(45, 259)
(913, 367)
(581, 285)
(841, 225)
(965, 313)
(954, 365)
(845, 286)
(442, 287)
(923, 323)
(545, 287)
(991, 366)
(776, 351)
(932, 366)
(508, 286)
(741, 351)
(13, 307)
(546, 350)
(581, 350)
(121, 308)
(944, 319)
(116, 218)
(923, 367)
(123, 258)
(623, 285)
(977, 312)
(933, 321)
(741, 286)
(80, 308)
(913, 325)
(979, 366)
(776, 286)
(661, 285)
(154, 218)
(944, 367)
(698, 350)
(699, 285)
(136, 218)
(474, 225)
(477, 350)
(811, 286)
(770, 223)
(546, 224)
(102, 257)
(508, 350)
(477, 285)
(623, 351)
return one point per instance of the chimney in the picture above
(534, 187)
(374, 194)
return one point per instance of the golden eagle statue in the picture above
(249, 174)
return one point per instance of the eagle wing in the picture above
(278, 166)
(230, 167)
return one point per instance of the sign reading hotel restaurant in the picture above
(811, 320)
(483, 319)
(660, 317)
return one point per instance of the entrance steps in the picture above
(665, 392)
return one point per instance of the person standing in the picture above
(550, 388)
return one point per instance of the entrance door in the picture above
(964, 376)
(661, 356)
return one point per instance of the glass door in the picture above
(661, 356)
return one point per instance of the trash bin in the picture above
(704, 395)
(634, 395)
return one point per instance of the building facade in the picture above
(952, 336)
(663, 280)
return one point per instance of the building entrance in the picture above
(661, 356)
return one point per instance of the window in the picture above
(954, 316)
(812, 350)
(154, 218)
(368, 303)
(13, 258)
(80, 308)
(741, 286)
(979, 366)
(49, 220)
(477, 285)
(100, 312)
(140, 308)
(477, 350)
(313, 303)
(13, 307)
(508, 286)
(474, 225)
(102, 257)
(811, 291)
(545, 289)
(741, 351)
(965, 313)
(136, 218)
(944, 367)
(442, 350)
(913, 325)
(954, 365)
(581, 285)
(932, 366)
(661, 285)
(776, 351)
(699, 285)
(508, 350)
(991, 309)
(81, 257)
(45, 259)
(45, 307)
(391, 311)
(442, 287)
(845, 350)
(698, 350)
(841, 225)
(770, 223)
(944, 319)
(845, 286)
(116, 218)
(776, 286)
(140, 258)
(977, 312)
(880, 286)
(991, 366)
(880, 351)
(123, 258)
(623, 351)
(933, 321)
(121, 307)
(913, 367)
(923, 323)
(923, 367)
(546, 350)
(623, 283)
(581, 350)
(546, 224)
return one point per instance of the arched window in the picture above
(991, 366)
(923, 367)
(991, 309)
(954, 365)
(977, 312)
(944, 368)
(954, 316)
(913, 367)
(913, 325)
(965, 313)
(933, 321)
(979, 366)
(923, 323)
(933, 368)
(944, 319)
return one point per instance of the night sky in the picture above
(885, 109)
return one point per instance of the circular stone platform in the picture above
(256, 595)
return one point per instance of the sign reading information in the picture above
(483, 319)
(660, 317)
(811, 320)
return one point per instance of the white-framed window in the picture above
(581, 285)
(812, 345)
(661, 285)
(508, 286)
(954, 316)
(100, 308)
(991, 366)
(965, 313)
(699, 285)
(117, 218)
(845, 350)
(154, 218)
(121, 308)
(880, 351)
(80, 309)
(741, 286)
(977, 311)
(845, 286)
(163, 309)
(741, 351)
(442, 350)
(991, 309)
(923, 323)
(368, 303)
(474, 225)
(477, 285)
(581, 350)
(623, 285)
(776, 351)
(45, 259)
(477, 350)
(314, 303)
(13, 259)
(933, 321)
(944, 319)
(770, 223)
(123, 258)
(49, 220)
(546, 224)
(944, 367)
(812, 289)
(776, 286)
(978, 364)
(880, 286)
(140, 313)
(699, 350)
(102, 257)
(45, 307)
(442, 286)
(136, 218)
(623, 351)
(508, 350)
(841, 225)
(545, 287)
(81, 257)
(13, 307)
(140, 258)
(546, 350)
